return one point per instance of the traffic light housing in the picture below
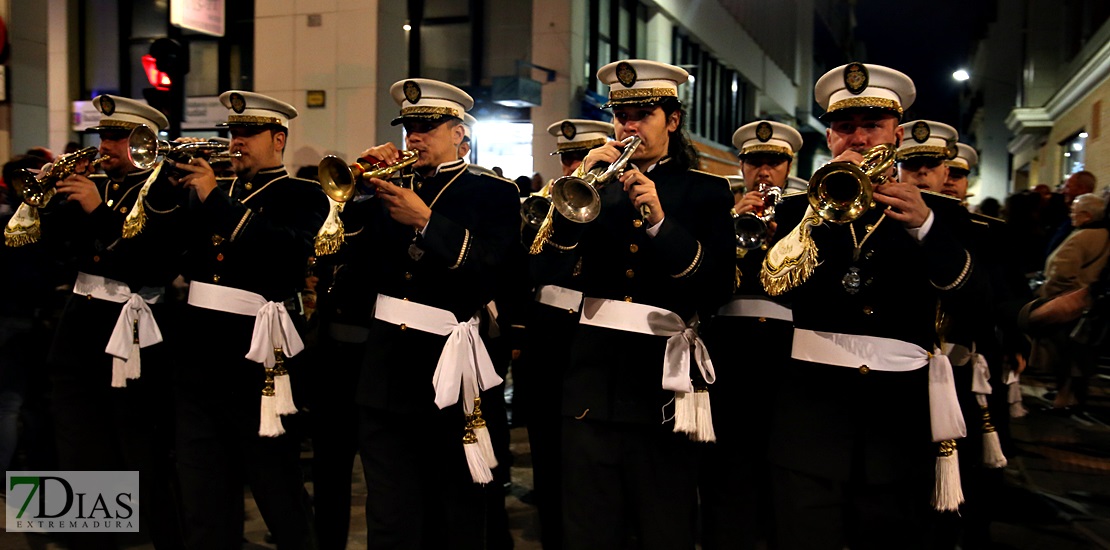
(165, 67)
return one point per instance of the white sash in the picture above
(756, 306)
(645, 319)
(464, 364)
(136, 309)
(890, 355)
(559, 297)
(273, 327)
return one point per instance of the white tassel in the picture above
(948, 493)
(685, 414)
(269, 424)
(704, 430)
(133, 368)
(479, 469)
(119, 373)
(283, 393)
(992, 451)
(485, 444)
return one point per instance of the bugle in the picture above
(144, 150)
(577, 198)
(38, 190)
(753, 228)
(841, 192)
(341, 180)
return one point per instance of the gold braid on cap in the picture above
(958, 163)
(117, 123)
(576, 145)
(922, 150)
(425, 110)
(247, 119)
(638, 93)
(875, 102)
(767, 148)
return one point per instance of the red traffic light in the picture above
(158, 79)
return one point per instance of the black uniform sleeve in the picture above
(479, 249)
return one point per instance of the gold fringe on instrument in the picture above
(23, 228)
(792, 260)
(135, 221)
(545, 232)
(330, 236)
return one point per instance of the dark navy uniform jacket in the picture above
(94, 242)
(686, 268)
(474, 224)
(861, 423)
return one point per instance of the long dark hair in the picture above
(681, 148)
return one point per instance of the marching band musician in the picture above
(248, 245)
(425, 451)
(553, 318)
(968, 324)
(109, 369)
(736, 504)
(857, 412)
(659, 252)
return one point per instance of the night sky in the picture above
(927, 40)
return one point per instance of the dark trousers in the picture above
(219, 395)
(419, 491)
(816, 513)
(99, 427)
(334, 424)
(628, 486)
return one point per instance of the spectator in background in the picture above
(1075, 264)
(524, 184)
(990, 207)
(72, 147)
(500, 173)
(537, 182)
(1077, 184)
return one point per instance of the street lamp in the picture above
(961, 75)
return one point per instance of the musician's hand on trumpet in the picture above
(904, 201)
(81, 189)
(754, 202)
(198, 176)
(641, 190)
(607, 153)
(404, 205)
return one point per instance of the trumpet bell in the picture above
(840, 192)
(337, 179)
(143, 148)
(534, 210)
(751, 231)
(30, 189)
(576, 199)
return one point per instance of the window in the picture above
(714, 95)
(1075, 154)
(616, 29)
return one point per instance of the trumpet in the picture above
(841, 192)
(38, 190)
(535, 208)
(144, 150)
(577, 198)
(752, 228)
(341, 180)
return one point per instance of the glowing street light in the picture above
(961, 75)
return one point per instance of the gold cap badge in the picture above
(920, 131)
(856, 77)
(626, 74)
(412, 91)
(107, 105)
(568, 129)
(763, 132)
(238, 103)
